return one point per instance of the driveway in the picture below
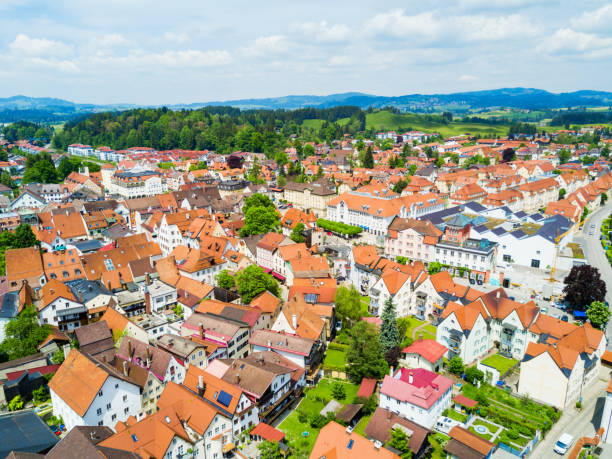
(595, 255)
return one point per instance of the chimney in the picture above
(81, 297)
(201, 330)
(389, 414)
(410, 378)
(391, 371)
(125, 368)
(148, 279)
(294, 320)
(269, 343)
(129, 349)
(201, 386)
(237, 379)
(497, 294)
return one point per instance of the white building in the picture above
(87, 392)
(59, 307)
(80, 150)
(418, 395)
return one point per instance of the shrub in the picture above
(302, 417)
(455, 365)
(338, 227)
(337, 347)
(483, 411)
(317, 421)
(474, 374)
(369, 404)
(578, 404)
(513, 434)
(338, 391)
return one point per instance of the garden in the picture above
(500, 363)
(502, 418)
(335, 357)
(302, 426)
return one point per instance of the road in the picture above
(595, 255)
(577, 423)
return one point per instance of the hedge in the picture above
(337, 347)
(338, 227)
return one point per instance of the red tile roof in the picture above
(366, 388)
(267, 432)
(464, 401)
(429, 349)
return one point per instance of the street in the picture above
(595, 255)
(578, 423)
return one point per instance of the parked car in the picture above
(338, 325)
(590, 233)
(445, 424)
(564, 443)
(472, 281)
(592, 225)
(479, 282)
(565, 319)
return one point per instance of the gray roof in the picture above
(88, 246)
(498, 231)
(481, 229)
(536, 217)
(9, 305)
(25, 431)
(518, 234)
(88, 289)
(474, 206)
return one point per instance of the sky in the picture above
(185, 51)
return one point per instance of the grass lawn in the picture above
(438, 442)
(485, 436)
(492, 427)
(313, 402)
(313, 123)
(500, 363)
(335, 360)
(456, 415)
(362, 424)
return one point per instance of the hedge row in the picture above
(338, 227)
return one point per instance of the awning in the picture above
(266, 270)
(278, 276)
(228, 447)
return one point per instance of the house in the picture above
(314, 196)
(424, 353)
(231, 334)
(24, 265)
(271, 381)
(121, 326)
(556, 370)
(335, 441)
(85, 391)
(416, 394)
(383, 422)
(59, 307)
(267, 247)
(184, 425)
(268, 304)
(230, 399)
(159, 362)
(464, 444)
(96, 340)
(301, 351)
(84, 441)
(300, 319)
(184, 350)
(411, 238)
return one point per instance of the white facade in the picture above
(62, 313)
(450, 334)
(116, 401)
(80, 150)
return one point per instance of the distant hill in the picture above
(527, 98)
(46, 109)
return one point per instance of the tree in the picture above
(252, 280)
(455, 365)
(260, 220)
(365, 357)
(412, 169)
(40, 395)
(23, 334)
(508, 155)
(257, 200)
(400, 441)
(59, 357)
(296, 233)
(348, 305)
(6, 180)
(562, 193)
(16, 403)
(583, 286)
(598, 314)
(473, 374)
(368, 159)
(65, 167)
(564, 155)
(604, 198)
(369, 404)
(400, 186)
(225, 280)
(269, 450)
(389, 334)
(392, 356)
(338, 391)
(434, 267)
(24, 237)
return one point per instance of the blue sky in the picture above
(155, 52)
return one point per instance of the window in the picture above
(117, 386)
(535, 263)
(108, 406)
(113, 417)
(127, 410)
(100, 394)
(125, 398)
(507, 258)
(99, 411)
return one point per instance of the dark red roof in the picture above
(428, 349)
(267, 432)
(367, 387)
(464, 401)
(45, 370)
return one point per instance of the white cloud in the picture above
(181, 58)
(266, 46)
(433, 27)
(594, 21)
(180, 38)
(500, 4)
(322, 32)
(567, 41)
(467, 77)
(339, 61)
(111, 40)
(42, 47)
